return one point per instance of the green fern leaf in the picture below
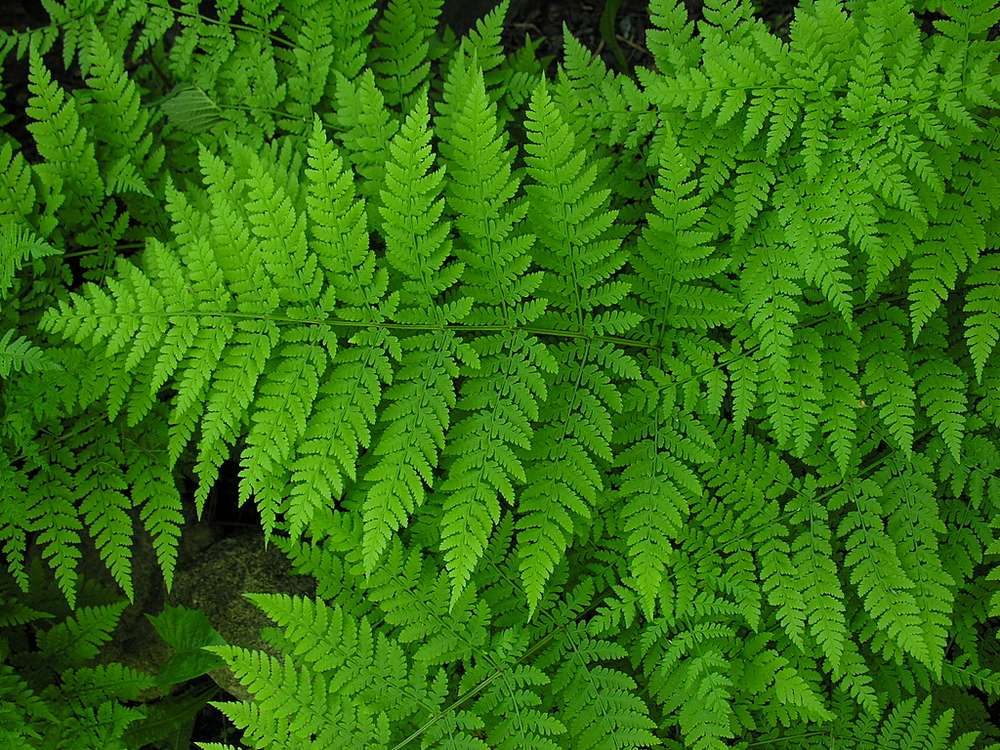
(368, 129)
(14, 521)
(501, 396)
(843, 392)
(422, 396)
(104, 508)
(936, 268)
(512, 704)
(17, 194)
(155, 493)
(744, 375)
(910, 504)
(771, 293)
(816, 573)
(20, 355)
(676, 260)
(106, 681)
(351, 391)
(291, 706)
(70, 167)
(877, 571)
(17, 246)
(289, 387)
(910, 723)
(401, 59)
(360, 663)
(598, 702)
(118, 120)
(53, 510)
(941, 387)
(78, 638)
(886, 376)
(982, 306)
(657, 483)
(582, 250)
(232, 390)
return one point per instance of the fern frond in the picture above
(422, 395)
(344, 652)
(744, 379)
(842, 390)
(414, 595)
(288, 389)
(500, 397)
(982, 306)
(351, 390)
(17, 193)
(661, 446)
(401, 58)
(106, 681)
(676, 260)
(814, 221)
(154, 493)
(368, 128)
(290, 706)
(20, 355)
(771, 292)
(807, 390)
(52, 508)
(936, 269)
(511, 704)
(910, 722)
(941, 387)
(581, 251)
(78, 638)
(671, 40)
(105, 509)
(877, 571)
(70, 167)
(914, 522)
(14, 520)
(118, 120)
(886, 375)
(599, 704)
(816, 573)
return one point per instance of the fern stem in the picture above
(412, 327)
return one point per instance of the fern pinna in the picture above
(607, 410)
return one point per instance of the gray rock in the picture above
(216, 582)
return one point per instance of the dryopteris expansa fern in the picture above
(579, 248)
(607, 412)
(423, 393)
(501, 396)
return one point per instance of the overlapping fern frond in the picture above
(607, 411)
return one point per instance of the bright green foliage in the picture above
(657, 484)
(120, 124)
(502, 394)
(816, 595)
(983, 307)
(401, 63)
(878, 572)
(580, 249)
(423, 393)
(345, 409)
(607, 411)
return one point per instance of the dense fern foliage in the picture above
(607, 410)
